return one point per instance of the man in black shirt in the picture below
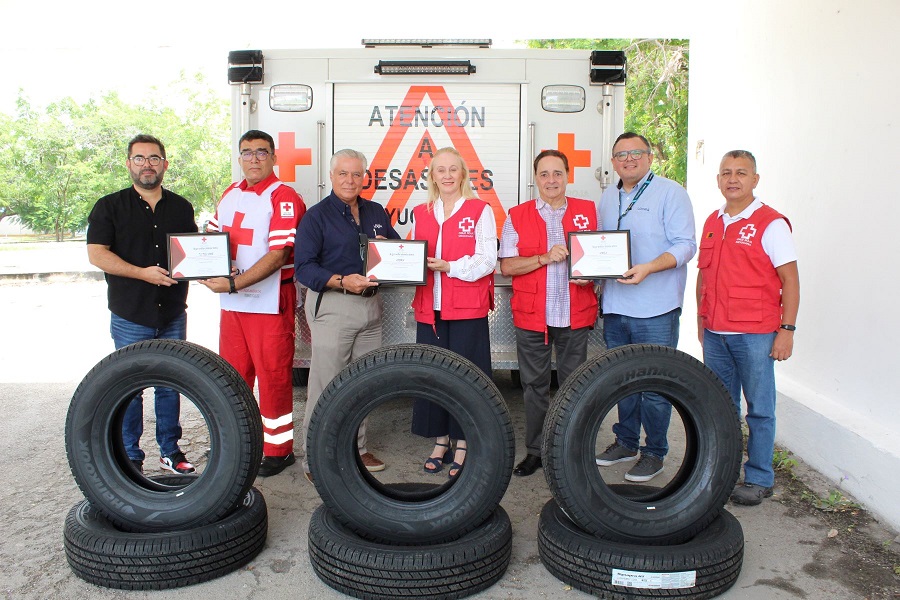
(126, 239)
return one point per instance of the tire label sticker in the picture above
(654, 581)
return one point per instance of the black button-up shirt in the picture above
(138, 235)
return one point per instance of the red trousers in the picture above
(261, 347)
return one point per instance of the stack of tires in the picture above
(411, 540)
(639, 541)
(141, 533)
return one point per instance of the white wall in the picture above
(811, 89)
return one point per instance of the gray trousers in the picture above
(346, 327)
(534, 371)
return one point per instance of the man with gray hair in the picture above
(345, 323)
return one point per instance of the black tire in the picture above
(300, 377)
(97, 456)
(409, 371)
(363, 569)
(700, 487)
(702, 567)
(102, 554)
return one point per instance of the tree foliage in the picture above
(656, 94)
(56, 162)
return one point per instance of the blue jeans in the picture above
(742, 362)
(647, 408)
(168, 403)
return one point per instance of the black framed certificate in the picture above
(398, 262)
(199, 255)
(599, 254)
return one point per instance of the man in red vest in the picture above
(748, 295)
(548, 309)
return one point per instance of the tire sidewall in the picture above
(97, 458)
(411, 371)
(713, 445)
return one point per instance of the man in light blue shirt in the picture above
(644, 305)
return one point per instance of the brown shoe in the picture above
(371, 463)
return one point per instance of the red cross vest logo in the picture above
(747, 231)
(466, 227)
(580, 221)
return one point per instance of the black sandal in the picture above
(436, 465)
(455, 466)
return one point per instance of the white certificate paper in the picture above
(199, 255)
(599, 254)
(400, 262)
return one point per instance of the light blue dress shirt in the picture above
(662, 220)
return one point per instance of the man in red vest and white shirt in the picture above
(748, 295)
(547, 308)
(256, 334)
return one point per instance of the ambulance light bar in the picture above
(562, 98)
(427, 43)
(424, 67)
(290, 97)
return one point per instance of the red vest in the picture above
(529, 299)
(459, 299)
(740, 290)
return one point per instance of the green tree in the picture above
(656, 94)
(55, 163)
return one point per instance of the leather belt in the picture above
(366, 293)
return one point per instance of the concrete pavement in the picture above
(54, 332)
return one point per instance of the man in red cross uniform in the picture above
(258, 301)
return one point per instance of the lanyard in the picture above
(636, 196)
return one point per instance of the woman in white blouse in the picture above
(451, 308)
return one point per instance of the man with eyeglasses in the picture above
(644, 305)
(127, 240)
(256, 334)
(342, 306)
(748, 296)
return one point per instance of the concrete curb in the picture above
(54, 277)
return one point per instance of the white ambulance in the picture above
(398, 101)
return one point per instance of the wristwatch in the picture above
(788, 327)
(231, 288)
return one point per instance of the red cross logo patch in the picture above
(747, 232)
(467, 226)
(287, 210)
(581, 221)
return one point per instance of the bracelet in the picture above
(341, 281)
(788, 327)
(231, 288)
(539, 260)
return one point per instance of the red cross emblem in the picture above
(581, 221)
(467, 226)
(747, 232)
(577, 158)
(237, 235)
(290, 157)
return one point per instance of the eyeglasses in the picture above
(261, 155)
(153, 160)
(635, 154)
